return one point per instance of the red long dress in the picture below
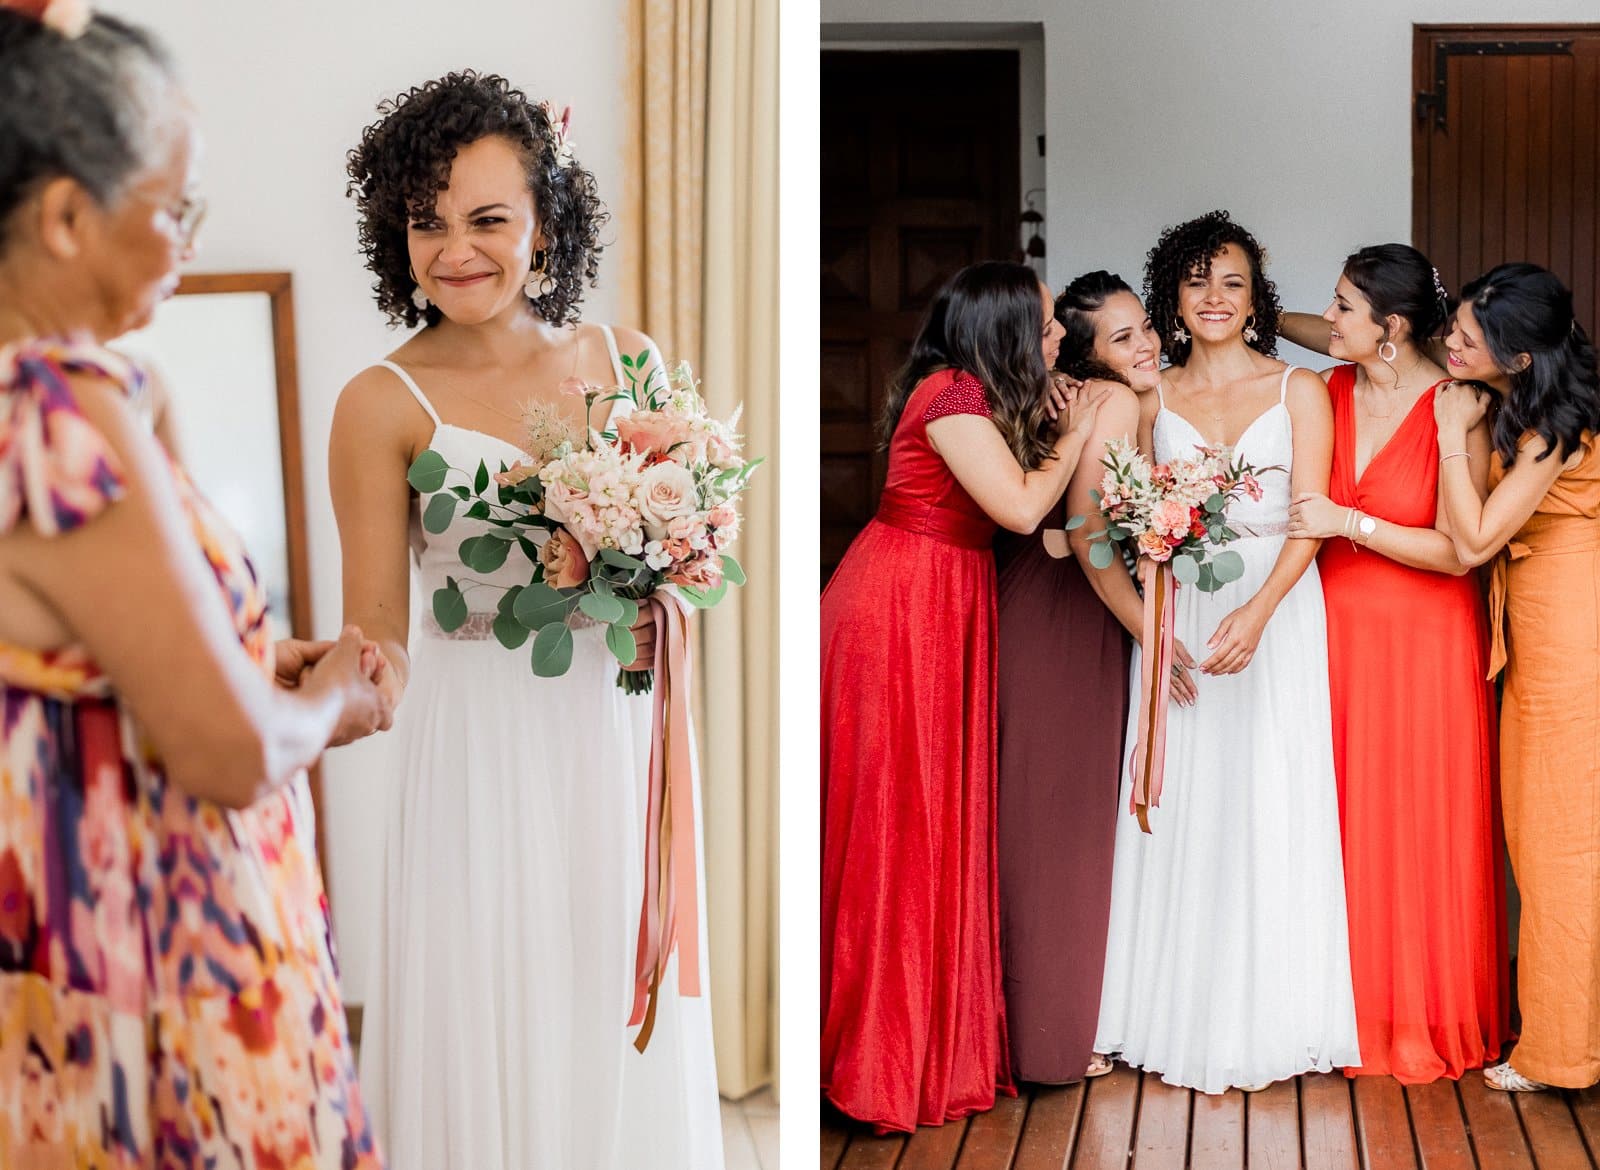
(913, 1024)
(1413, 734)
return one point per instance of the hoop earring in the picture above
(1393, 353)
(539, 283)
(418, 297)
(1180, 335)
(1250, 333)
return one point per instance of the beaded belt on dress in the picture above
(1261, 528)
(479, 627)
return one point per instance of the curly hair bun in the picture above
(404, 159)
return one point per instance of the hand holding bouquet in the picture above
(605, 518)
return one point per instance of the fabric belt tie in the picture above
(1542, 535)
(948, 525)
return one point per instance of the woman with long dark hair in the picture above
(1407, 650)
(1064, 638)
(1515, 333)
(913, 1023)
(1227, 962)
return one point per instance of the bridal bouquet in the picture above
(1172, 519)
(1173, 513)
(605, 519)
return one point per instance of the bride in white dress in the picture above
(495, 1035)
(1228, 962)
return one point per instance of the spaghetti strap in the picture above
(616, 357)
(1283, 388)
(1161, 398)
(416, 392)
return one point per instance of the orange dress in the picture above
(1545, 616)
(1413, 735)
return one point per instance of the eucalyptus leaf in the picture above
(630, 611)
(732, 571)
(1207, 582)
(552, 650)
(440, 511)
(529, 549)
(480, 482)
(508, 601)
(1102, 554)
(601, 608)
(462, 493)
(621, 560)
(449, 608)
(484, 554)
(1185, 569)
(1074, 522)
(538, 605)
(1118, 532)
(620, 641)
(479, 510)
(509, 632)
(1216, 502)
(1228, 566)
(428, 471)
(705, 598)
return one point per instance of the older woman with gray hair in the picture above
(167, 984)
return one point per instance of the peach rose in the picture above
(666, 492)
(1154, 546)
(515, 474)
(563, 561)
(705, 573)
(652, 431)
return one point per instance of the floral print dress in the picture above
(168, 990)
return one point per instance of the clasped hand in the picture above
(360, 668)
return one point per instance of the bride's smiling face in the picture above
(471, 251)
(1216, 306)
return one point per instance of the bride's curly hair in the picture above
(404, 160)
(1187, 250)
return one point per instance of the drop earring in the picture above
(418, 297)
(1180, 334)
(539, 283)
(1250, 334)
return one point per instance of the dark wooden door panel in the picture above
(1506, 152)
(920, 176)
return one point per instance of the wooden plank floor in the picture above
(1131, 1121)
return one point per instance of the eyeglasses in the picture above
(186, 216)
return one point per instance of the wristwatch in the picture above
(1365, 527)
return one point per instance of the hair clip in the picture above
(560, 132)
(1438, 289)
(68, 17)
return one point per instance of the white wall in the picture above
(283, 90)
(1295, 115)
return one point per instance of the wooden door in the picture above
(1506, 152)
(920, 177)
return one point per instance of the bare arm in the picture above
(1311, 413)
(369, 453)
(133, 587)
(982, 463)
(163, 420)
(1481, 526)
(1306, 330)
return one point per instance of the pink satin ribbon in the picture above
(670, 915)
(1155, 689)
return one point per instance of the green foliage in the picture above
(449, 607)
(620, 641)
(440, 511)
(552, 650)
(428, 471)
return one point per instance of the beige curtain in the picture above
(702, 227)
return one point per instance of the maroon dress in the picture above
(913, 1025)
(1063, 697)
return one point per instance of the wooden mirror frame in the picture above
(279, 288)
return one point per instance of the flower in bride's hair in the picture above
(565, 566)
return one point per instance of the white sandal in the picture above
(1099, 1065)
(1508, 1080)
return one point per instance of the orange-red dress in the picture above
(1413, 734)
(913, 1024)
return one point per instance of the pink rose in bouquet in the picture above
(565, 566)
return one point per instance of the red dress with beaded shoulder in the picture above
(913, 1023)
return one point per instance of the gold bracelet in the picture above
(1453, 454)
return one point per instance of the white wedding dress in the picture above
(495, 1032)
(1228, 959)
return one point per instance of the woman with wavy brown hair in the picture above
(913, 1023)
